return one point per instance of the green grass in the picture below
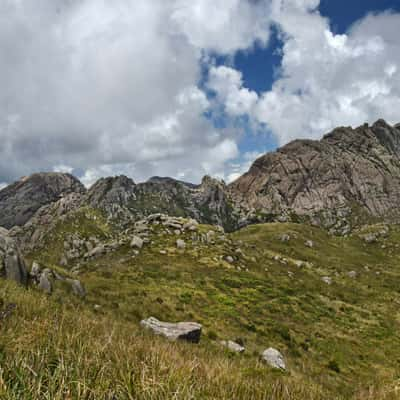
(340, 341)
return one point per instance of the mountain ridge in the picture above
(327, 182)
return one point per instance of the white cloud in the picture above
(112, 86)
(63, 168)
(223, 26)
(227, 83)
(326, 80)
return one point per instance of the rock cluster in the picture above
(45, 278)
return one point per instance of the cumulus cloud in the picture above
(109, 87)
(326, 80)
(102, 88)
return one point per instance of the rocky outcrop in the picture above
(123, 200)
(326, 179)
(12, 265)
(114, 195)
(189, 331)
(20, 200)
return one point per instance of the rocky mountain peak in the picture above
(20, 200)
(347, 168)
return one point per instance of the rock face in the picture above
(274, 358)
(20, 200)
(122, 199)
(324, 179)
(12, 265)
(189, 331)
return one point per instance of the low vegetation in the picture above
(263, 286)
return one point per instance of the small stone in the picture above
(180, 244)
(327, 280)
(284, 238)
(352, 274)
(310, 244)
(233, 346)
(137, 242)
(229, 259)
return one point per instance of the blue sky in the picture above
(184, 88)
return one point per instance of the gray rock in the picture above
(35, 270)
(274, 358)
(45, 283)
(309, 243)
(12, 264)
(233, 346)
(284, 238)
(96, 252)
(189, 331)
(77, 287)
(352, 274)
(180, 244)
(229, 259)
(137, 242)
(327, 280)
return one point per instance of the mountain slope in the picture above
(327, 303)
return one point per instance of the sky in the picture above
(185, 88)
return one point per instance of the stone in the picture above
(284, 238)
(189, 331)
(352, 274)
(14, 265)
(77, 287)
(274, 358)
(35, 270)
(309, 243)
(96, 252)
(233, 346)
(45, 283)
(327, 280)
(180, 244)
(229, 259)
(137, 242)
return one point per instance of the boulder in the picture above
(189, 331)
(274, 358)
(45, 283)
(233, 346)
(12, 265)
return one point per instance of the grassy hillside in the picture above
(340, 340)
